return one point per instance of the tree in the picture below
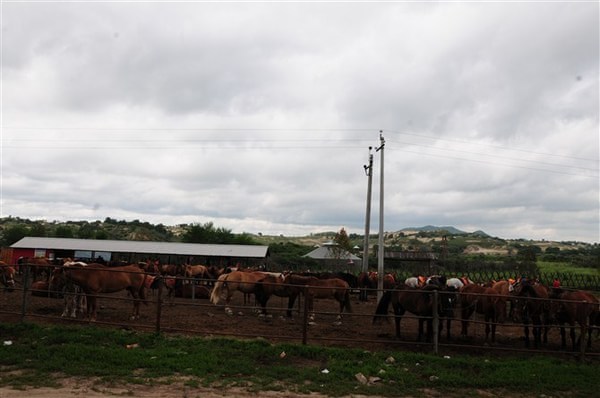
(342, 240)
(38, 230)
(14, 234)
(63, 232)
(207, 233)
(342, 244)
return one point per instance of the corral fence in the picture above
(25, 304)
(567, 279)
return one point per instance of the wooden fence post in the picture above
(25, 288)
(305, 322)
(436, 322)
(159, 305)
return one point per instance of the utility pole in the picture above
(381, 240)
(365, 262)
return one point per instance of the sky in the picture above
(259, 116)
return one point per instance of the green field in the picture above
(567, 268)
(40, 356)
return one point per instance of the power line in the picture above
(492, 146)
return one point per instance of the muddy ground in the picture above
(200, 317)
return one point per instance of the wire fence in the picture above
(163, 312)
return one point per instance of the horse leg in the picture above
(537, 332)
(81, 302)
(291, 301)
(429, 336)
(398, 312)
(310, 307)
(92, 308)
(563, 336)
(448, 325)
(573, 338)
(526, 331)
(421, 327)
(465, 315)
(487, 328)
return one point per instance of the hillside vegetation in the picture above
(453, 248)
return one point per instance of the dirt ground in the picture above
(200, 317)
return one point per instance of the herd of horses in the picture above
(530, 302)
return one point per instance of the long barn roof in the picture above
(147, 247)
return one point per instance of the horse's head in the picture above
(8, 277)
(57, 278)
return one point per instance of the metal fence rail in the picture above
(207, 319)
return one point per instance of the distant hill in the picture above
(433, 228)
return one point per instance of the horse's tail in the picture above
(215, 296)
(382, 307)
(347, 305)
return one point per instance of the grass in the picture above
(566, 268)
(39, 356)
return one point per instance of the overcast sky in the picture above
(258, 117)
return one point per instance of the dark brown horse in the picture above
(369, 281)
(96, 278)
(275, 285)
(171, 270)
(39, 268)
(532, 306)
(7, 276)
(482, 300)
(314, 288)
(418, 301)
(575, 307)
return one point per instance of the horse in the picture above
(39, 267)
(458, 283)
(573, 307)
(188, 290)
(7, 276)
(171, 270)
(483, 300)
(95, 279)
(418, 301)
(504, 288)
(365, 283)
(532, 305)
(420, 281)
(275, 285)
(237, 280)
(202, 272)
(314, 288)
(74, 299)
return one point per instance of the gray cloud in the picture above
(258, 116)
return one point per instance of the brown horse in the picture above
(275, 285)
(95, 279)
(208, 275)
(315, 288)
(504, 288)
(171, 270)
(39, 268)
(418, 301)
(573, 307)
(482, 300)
(237, 280)
(7, 276)
(532, 306)
(188, 290)
(74, 300)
